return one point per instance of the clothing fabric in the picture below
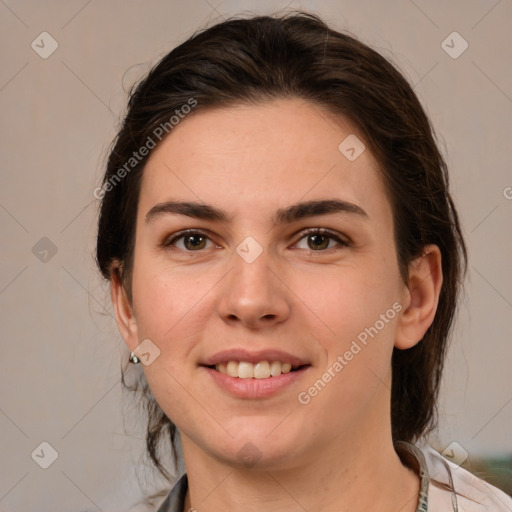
(444, 486)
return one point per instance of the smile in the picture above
(250, 386)
(260, 370)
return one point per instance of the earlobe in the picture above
(423, 290)
(123, 310)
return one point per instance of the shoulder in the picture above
(472, 494)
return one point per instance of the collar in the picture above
(413, 457)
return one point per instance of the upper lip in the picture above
(241, 354)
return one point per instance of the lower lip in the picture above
(255, 388)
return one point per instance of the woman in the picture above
(285, 260)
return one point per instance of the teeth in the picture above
(261, 370)
(245, 370)
(275, 368)
(232, 369)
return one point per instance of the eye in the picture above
(321, 239)
(189, 241)
(316, 239)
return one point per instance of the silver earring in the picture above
(134, 359)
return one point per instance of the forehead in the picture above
(262, 155)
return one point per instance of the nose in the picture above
(253, 294)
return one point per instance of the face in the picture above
(243, 273)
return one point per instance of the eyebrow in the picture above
(282, 216)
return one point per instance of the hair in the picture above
(296, 55)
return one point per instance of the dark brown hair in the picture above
(298, 56)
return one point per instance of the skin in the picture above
(334, 453)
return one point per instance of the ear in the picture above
(421, 298)
(125, 318)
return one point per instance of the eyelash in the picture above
(333, 235)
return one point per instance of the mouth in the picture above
(260, 375)
(251, 374)
(261, 370)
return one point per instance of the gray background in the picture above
(60, 351)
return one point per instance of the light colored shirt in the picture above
(472, 493)
(444, 487)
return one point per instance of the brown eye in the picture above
(317, 242)
(321, 239)
(189, 241)
(194, 242)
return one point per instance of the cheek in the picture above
(358, 315)
(355, 312)
(172, 307)
(163, 298)
(347, 300)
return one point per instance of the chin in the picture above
(263, 448)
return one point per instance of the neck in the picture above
(352, 472)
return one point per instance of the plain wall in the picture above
(60, 349)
